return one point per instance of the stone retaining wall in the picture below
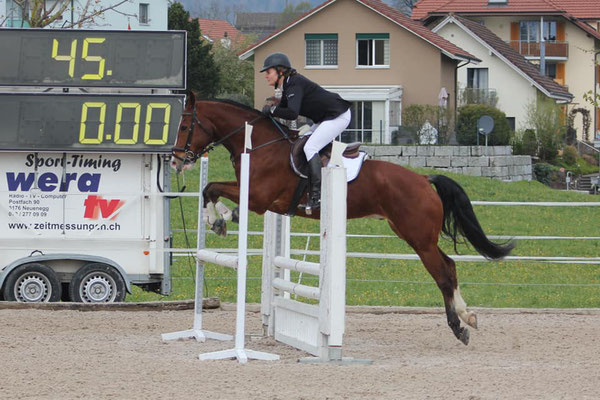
(493, 161)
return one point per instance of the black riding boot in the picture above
(314, 197)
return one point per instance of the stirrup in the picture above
(312, 204)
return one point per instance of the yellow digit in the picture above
(100, 60)
(165, 131)
(84, 112)
(70, 58)
(136, 126)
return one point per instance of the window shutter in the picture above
(372, 36)
(560, 31)
(514, 31)
(560, 73)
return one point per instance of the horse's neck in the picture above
(262, 132)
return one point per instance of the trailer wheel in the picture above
(32, 283)
(97, 283)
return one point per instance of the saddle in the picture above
(299, 165)
(298, 160)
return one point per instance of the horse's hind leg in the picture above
(442, 269)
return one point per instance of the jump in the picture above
(415, 211)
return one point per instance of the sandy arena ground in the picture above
(119, 355)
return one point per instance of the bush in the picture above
(466, 125)
(525, 143)
(416, 115)
(544, 117)
(569, 155)
(543, 172)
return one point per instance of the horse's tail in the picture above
(459, 218)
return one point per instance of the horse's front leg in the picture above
(218, 213)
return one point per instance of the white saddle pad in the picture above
(353, 165)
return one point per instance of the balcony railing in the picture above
(532, 49)
(477, 96)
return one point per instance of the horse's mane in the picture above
(236, 104)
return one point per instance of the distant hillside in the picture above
(226, 9)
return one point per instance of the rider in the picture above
(329, 112)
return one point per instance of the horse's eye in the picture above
(183, 128)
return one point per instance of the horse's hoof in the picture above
(472, 320)
(235, 215)
(464, 336)
(219, 227)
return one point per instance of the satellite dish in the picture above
(485, 124)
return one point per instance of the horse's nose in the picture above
(176, 164)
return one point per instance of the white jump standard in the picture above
(316, 329)
(197, 332)
(239, 262)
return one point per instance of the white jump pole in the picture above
(197, 332)
(239, 351)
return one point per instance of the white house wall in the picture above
(127, 15)
(514, 92)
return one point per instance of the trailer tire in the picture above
(32, 283)
(97, 283)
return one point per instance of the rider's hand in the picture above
(266, 110)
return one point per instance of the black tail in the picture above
(459, 218)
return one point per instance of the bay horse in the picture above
(415, 211)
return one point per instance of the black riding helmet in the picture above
(276, 60)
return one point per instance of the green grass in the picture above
(401, 282)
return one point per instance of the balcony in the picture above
(477, 96)
(532, 49)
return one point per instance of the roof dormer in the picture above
(497, 2)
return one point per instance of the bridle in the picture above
(191, 156)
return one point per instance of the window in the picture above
(511, 123)
(321, 49)
(373, 49)
(361, 124)
(530, 31)
(551, 70)
(143, 17)
(477, 78)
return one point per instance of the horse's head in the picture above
(194, 135)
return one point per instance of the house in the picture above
(260, 23)
(369, 53)
(561, 37)
(504, 78)
(219, 30)
(134, 14)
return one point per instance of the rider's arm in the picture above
(294, 101)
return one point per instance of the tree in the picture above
(405, 6)
(41, 13)
(202, 72)
(290, 13)
(236, 77)
(544, 117)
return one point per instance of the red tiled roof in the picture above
(515, 58)
(215, 29)
(393, 14)
(573, 10)
(582, 9)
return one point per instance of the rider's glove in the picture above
(267, 110)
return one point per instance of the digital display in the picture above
(92, 123)
(93, 58)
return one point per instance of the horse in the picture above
(407, 200)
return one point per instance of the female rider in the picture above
(329, 112)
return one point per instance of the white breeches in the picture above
(325, 132)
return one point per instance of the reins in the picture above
(191, 156)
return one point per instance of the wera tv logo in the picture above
(96, 207)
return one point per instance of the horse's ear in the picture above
(190, 101)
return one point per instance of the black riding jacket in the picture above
(302, 96)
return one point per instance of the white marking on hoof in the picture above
(224, 211)
(211, 212)
(460, 307)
